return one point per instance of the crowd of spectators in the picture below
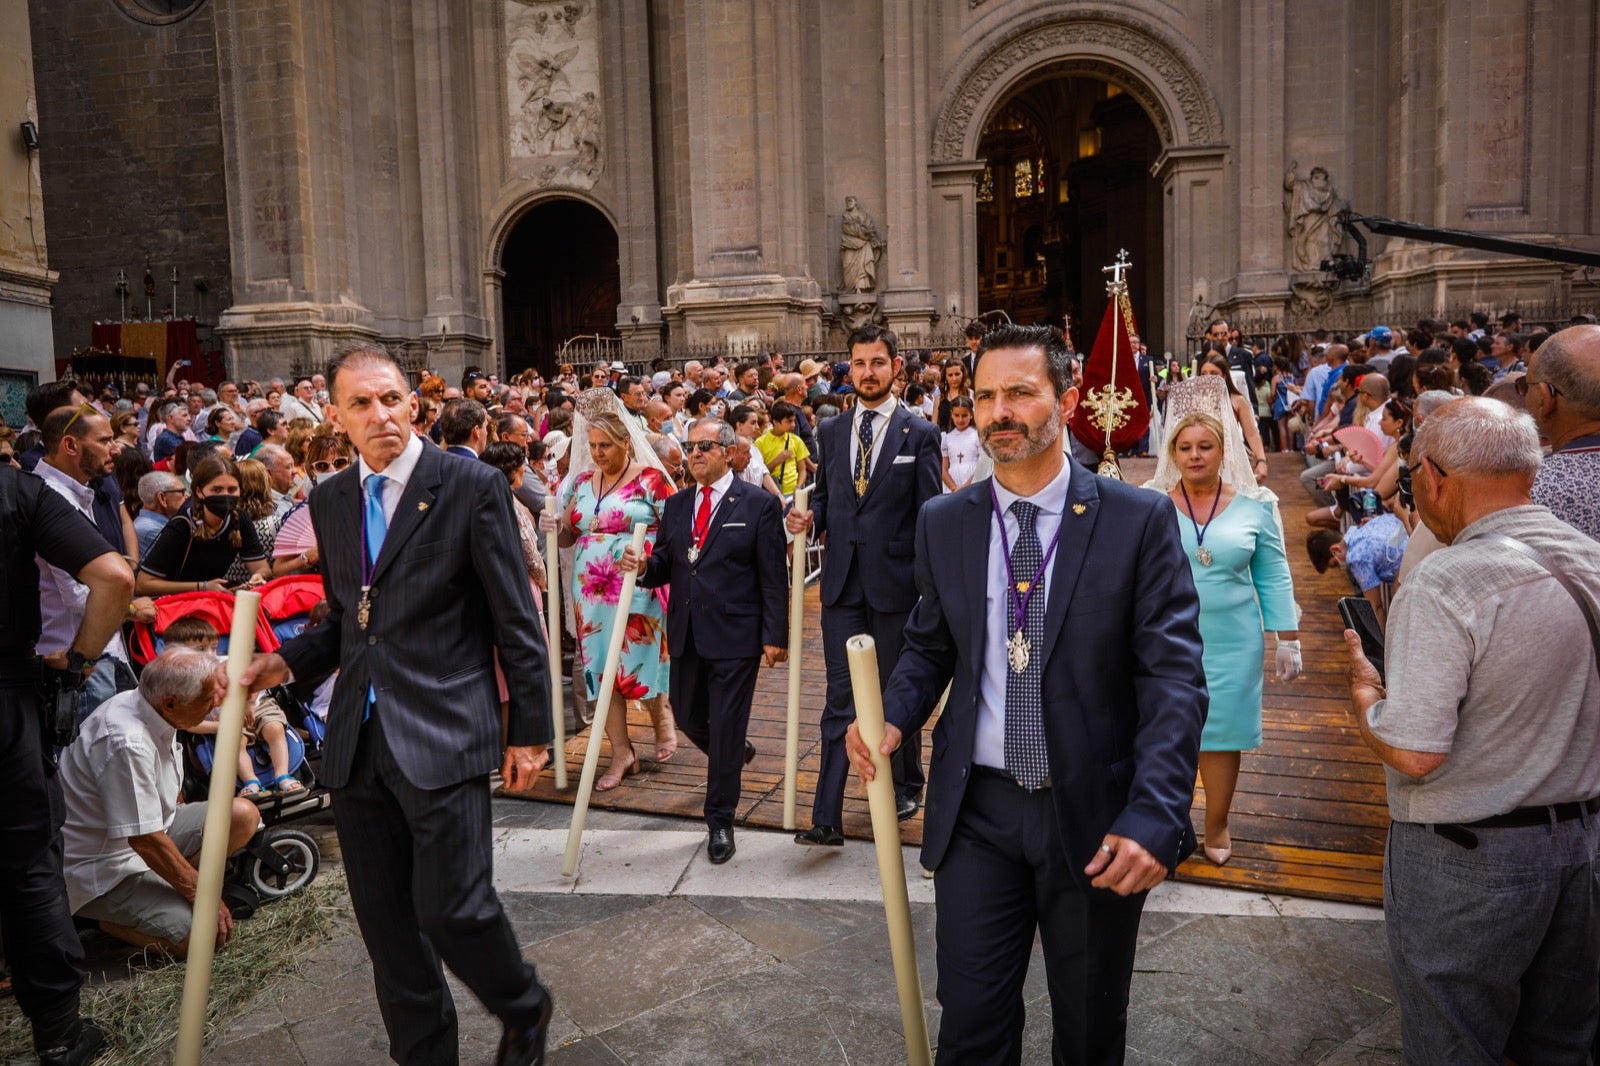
(205, 489)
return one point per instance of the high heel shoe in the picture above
(1219, 856)
(612, 779)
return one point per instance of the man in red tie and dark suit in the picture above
(721, 550)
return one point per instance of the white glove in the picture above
(1290, 665)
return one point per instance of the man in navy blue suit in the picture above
(878, 466)
(1059, 607)
(464, 427)
(721, 549)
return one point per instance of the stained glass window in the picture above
(1022, 171)
(1038, 178)
(986, 186)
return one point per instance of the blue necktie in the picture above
(864, 436)
(377, 526)
(1027, 758)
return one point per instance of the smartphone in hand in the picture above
(1358, 615)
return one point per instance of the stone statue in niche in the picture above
(860, 248)
(1311, 207)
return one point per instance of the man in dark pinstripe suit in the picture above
(424, 576)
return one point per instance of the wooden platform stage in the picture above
(1309, 817)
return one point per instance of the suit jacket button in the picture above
(692, 573)
(372, 640)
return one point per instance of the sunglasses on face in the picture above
(702, 446)
(1522, 386)
(329, 466)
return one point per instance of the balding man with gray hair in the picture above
(161, 495)
(280, 476)
(1562, 392)
(129, 849)
(1489, 730)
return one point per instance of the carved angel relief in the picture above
(553, 89)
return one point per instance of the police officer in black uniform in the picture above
(42, 948)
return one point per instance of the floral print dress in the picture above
(604, 528)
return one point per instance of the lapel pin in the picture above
(422, 505)
(1079, 508)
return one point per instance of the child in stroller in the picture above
(266, 729)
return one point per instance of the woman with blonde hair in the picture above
(617, 480)
(1234, 542)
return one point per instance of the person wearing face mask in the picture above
(195, 554)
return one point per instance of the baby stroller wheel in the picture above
(241, 900)
(290, 863)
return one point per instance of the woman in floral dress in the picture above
(596, 515)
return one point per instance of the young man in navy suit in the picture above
(878, 466)
(721, 550)
(1060, 609)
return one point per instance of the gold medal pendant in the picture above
(861, 486)
(1203, 553)
(364, 608)
(1017, 651)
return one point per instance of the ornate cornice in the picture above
(1088, 43)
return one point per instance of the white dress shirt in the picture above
(719, 489)
(62, 600)
(396, 475)
(880, 431)
(989, 743)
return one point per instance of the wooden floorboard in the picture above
(1309, 817)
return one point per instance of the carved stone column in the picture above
(907, 303)
(953, 245)
(1193, 196)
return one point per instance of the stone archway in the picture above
(556, 276)
(1152, 66)
(1130, 53)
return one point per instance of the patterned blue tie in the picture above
(1027, 758)
(864, 459)
(377, 526)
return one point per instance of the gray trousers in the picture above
(1495, 950)
(1309, 478)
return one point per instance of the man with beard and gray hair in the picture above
(1488, 725)
(1059, 609)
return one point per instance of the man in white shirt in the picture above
(77, 448)
(302, 403)
(129, 849)
(280, 477)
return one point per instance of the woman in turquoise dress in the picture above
(1236, 554)
(597, 514)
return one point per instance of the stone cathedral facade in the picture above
(484, 180)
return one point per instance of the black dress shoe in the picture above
(906, 806)
(749, 752)
(81, 1046)
(525, 1047)
(721, 848)
(825, 836)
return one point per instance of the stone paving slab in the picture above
(645, 981)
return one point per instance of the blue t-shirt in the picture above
(166, 443)
(1373, 550)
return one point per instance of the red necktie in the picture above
(702, 517)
